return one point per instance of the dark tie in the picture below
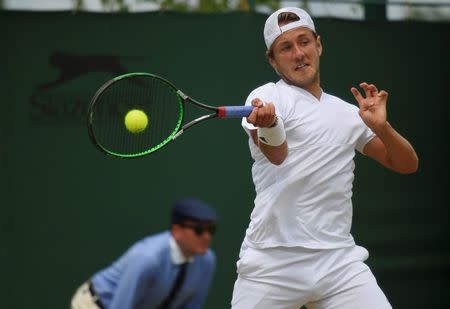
(175, 288)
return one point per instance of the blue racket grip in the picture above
(234, 111)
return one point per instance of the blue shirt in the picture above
(143, 277)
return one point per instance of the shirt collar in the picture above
(176, 253)
(303, 91)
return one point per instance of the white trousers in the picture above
(83, 299)
(288, 278)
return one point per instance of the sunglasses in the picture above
(200, 229)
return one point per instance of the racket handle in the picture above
(234, 111)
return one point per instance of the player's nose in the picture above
(299, 53)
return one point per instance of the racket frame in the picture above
(106, 85)
(219, 111)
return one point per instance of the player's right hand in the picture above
(263, 115)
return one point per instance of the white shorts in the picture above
(288, 278)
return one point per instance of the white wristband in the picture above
(273, 136)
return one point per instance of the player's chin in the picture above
(302, 81)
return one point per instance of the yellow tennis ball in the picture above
(136, 121)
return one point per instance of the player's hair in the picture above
(284, 19)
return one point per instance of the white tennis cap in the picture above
(273, 31)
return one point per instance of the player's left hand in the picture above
(372, 107)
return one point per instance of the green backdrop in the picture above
(67, 210)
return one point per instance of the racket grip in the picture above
(234, 111)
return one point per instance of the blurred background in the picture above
(67, 210)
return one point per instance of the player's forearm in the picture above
(400, 155)
(275, 154)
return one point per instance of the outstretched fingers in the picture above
(383, 94)
(369, 90)
(364, 102)
(358, 96)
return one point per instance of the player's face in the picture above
(296, 56)
(194, 238)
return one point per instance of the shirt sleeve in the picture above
(265, 93)
(364, 138)
(363, 133)
(130, 289)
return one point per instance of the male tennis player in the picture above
(298, 249)
(172, 269)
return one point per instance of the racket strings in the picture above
(150, 95)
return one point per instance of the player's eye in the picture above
(304, 42)
(285, 48)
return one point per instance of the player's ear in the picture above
(271, 59)
(319, 45)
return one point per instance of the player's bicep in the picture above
(376, 150)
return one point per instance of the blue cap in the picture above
(192, 209)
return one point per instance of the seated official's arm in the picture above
(132, 288)
(389, 148)
(269, 135)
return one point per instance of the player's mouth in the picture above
(300, 66)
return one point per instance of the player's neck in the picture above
(314, 87)
(315, 90)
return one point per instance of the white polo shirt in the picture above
(306, 201)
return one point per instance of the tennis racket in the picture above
(159, 118)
